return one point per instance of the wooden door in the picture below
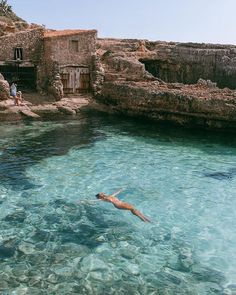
(84, 79)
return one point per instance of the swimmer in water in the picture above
(121, 205)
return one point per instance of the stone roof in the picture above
(60, 33)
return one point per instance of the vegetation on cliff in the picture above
(9, 21)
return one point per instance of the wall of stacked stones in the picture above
(59, 48)
(30, 41)
(58, 51)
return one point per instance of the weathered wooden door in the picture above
(70, 79)
(75, 79)
(84, 79)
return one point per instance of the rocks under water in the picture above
(64, 255)
(55, 240)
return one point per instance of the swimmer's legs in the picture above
(140, 215)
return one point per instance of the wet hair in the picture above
(99, 195)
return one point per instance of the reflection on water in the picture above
(52, 243)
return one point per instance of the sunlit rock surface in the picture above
(185, 83)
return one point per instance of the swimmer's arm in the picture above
(117, 193)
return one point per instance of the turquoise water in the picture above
(55, 240)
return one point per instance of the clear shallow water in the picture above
(52, 243)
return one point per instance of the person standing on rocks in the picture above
(17, 95)
(13, 91)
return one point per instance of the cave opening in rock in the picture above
(190, 73)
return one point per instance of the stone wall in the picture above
(29, 40)
(59, 48)
(58, 51)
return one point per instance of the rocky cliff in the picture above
(186, 83)
(10, 22)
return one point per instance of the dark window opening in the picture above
(74, 45)
(18, 53)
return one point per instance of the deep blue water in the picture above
(55, 240)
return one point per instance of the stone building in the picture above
(70, 54)
(20, 57)
(34, 57)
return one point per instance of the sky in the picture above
(202, 21)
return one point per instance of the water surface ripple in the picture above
(52, 243)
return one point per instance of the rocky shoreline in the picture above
(187, 84)
(66, 106)
(187, 105)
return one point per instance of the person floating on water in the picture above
(121, 205)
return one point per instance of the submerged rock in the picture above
(92, 263)
(230, 289)
(6, 252)
(41, 235)
(219, 175)
(185, 259)
(26, 248)
(18, 216)
(20, 270)
(207, 288)
(3, 286)
(207, 274)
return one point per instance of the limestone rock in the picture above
(18, 216)
(92, 263)
(98, 74)
(6, 252)
(66, 110)
(26, 248)
(56, 88)
(207, 83)
(190, 105)
(9, 21)
(4, 88)
(29, 114)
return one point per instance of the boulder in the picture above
(4, 88)
(206, 83)
(56, 87)
(29, 114)
(66, 110)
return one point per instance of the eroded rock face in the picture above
(9, 21)
(56, 88)
(97, 75)
(4, 88)
(186, 83)
(171, 62)
(183, 104)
